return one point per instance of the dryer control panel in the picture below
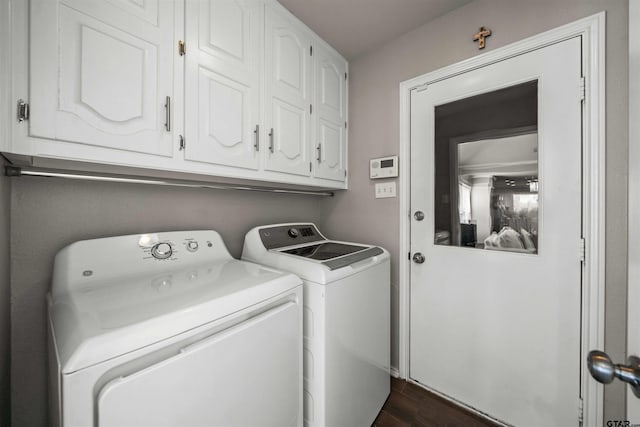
(160, 247)
(113, 258)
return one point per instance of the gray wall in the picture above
(5, 331)
(374, 130)
(48, 214)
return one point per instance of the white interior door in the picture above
(499, 330)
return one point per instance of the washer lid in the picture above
(324, 250)
(301, 249)
(106, 320)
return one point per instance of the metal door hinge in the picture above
(345, 173)
(310, 109)
(23, 111)
(182, 48)
(345, 76)
(310, 50)
(583, 88)
(583, 249)
(183, 144)
(580, 410)
(310, 165)
(345, 125)
(421, 88)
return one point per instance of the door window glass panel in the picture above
(486, 174)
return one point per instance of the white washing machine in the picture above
(346, 319)
(168, 329)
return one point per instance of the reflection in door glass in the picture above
(486, 176)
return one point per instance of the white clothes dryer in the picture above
(346, 319)
(168, 329)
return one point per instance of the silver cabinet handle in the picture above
(167, 108)
(604, 371)
(418, 258)
(419, 215)
(271, 140)
(319, 148)
(257, 143)
(23, 111)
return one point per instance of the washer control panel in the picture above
(287, 235)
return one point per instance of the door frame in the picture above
(633, 279)
(592, 31)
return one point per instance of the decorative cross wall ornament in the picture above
(480, 36)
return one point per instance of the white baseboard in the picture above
(395, 373)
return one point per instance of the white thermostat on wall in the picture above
(383, 167)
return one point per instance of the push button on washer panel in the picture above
(293, 232)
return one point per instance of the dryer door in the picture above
(248, 374)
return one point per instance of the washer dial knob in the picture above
(192, 246)
(161, 250)
(293, 232)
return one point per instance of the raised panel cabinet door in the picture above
(331, 84)
(288, 94)
(222, 82)
(101, 73)
(330, 151)
(330, 117)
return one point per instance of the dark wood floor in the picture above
(410, 405)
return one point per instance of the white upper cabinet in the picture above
(101, 73)
(330, 114)
(288, 92)
(222, 81)
(238, 89)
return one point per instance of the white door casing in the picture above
(101, 73)
(633, 294)
(222, 82)
(591, 29)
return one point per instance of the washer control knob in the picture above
(161, 250)
(192, 246)
(293, 232)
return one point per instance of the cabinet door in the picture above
(331, 117)
(288, 95)
(222, 81)
(101, 72)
